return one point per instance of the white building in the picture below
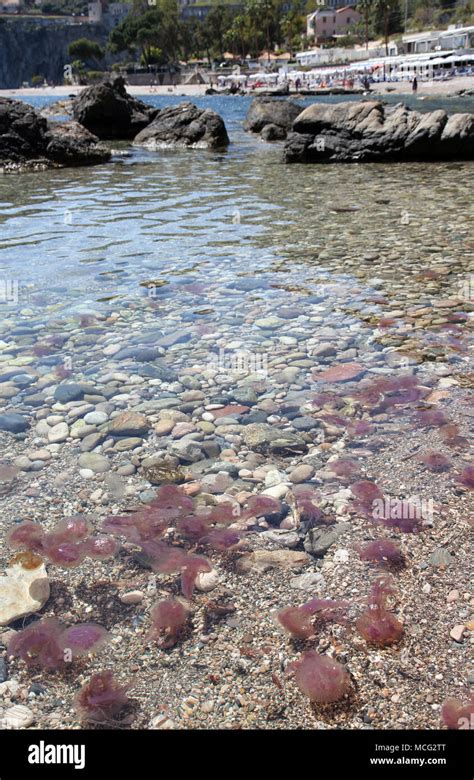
(94, 12)
(455, 37)
(109, 14)
(320, 56)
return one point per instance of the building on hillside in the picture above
(94, 12)
(333, 4)
(329, 23)
(195, 10)
(108, 14)
(341, 3)
(200, 10)
(455, 37)
(10, 6)
(117, 12)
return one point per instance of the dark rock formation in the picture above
(273, 133)
(108, 111)
(68, 143)
(184, 125)
(265, 111)
(21, 129)
(369, 131)
(26, 138)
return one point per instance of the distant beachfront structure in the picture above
(455, 37)
(320, 56)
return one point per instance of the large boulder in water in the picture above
(273, 111)
(108, 111)
(369, 131)
(69, 143)
(21, 131)
(184, 125)
(26, 140)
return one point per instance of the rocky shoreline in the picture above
(365, 131)
(29, 142)
(32, 141)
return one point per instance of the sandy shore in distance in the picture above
(426, 88)
(190, 90)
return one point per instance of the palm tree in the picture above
(386, 8)
(366, 8)
(237, 34)
(291, 26)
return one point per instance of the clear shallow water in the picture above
(79, 239)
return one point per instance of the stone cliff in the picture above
(33, 48)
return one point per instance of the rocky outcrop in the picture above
(21, 131)
(108, 111)
(271, 117)
(184, 125)
(26, 138)
(370, 131)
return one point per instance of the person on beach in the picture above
(414, 85)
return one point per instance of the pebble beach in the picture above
(231, 363)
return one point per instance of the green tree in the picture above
(260, 14)
(85, 49)
(237, 36)
(186, 39)
(388, 18)
(202, 40)
(147, 31)
(216, 23)
(79, 68)
(367, 9)
(292, 26)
